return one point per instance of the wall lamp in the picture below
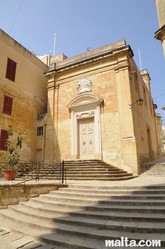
(163, 108)
(155, 106)
(139, 102)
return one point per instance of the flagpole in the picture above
(54, 50)
(140, 59)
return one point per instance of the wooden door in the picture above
(86, 138)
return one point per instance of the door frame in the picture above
(81, 107)
(88, 155)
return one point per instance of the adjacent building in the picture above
(23, 94)
(160, 33)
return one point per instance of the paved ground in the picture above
(138, 181)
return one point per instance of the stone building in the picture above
(95, 112)
(163, 128)
(22, 94)
(96, 105)
(160, 33)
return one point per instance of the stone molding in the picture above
(85, 106)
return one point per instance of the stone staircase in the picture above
(83, 216)
(150, 169)
(94, 170)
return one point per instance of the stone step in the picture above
(103, 196)
(69, 209)
(98, 174)
(90, 170)
(100, 178)
(134, 200)
(90, 167)
(95, 171)
(107, 191)
(89, 163)
(101, 186)
(56, 214)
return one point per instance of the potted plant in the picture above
(13, 154)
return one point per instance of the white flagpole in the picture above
(140, 59)
(54, 50)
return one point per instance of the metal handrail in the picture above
(26, 171)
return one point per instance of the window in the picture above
(11, 70)
(3, 137)
(40, 131)
(7, 105)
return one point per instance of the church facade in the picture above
(95, 109)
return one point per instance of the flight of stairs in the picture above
(94, 170)
(153, 169)
(83, 216)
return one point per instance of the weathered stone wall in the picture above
(123, 126)
(160, 33)
(28, 93)
(10, 195)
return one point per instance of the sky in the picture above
(82, 24)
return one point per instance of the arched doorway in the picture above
(85, 127)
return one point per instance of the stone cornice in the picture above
(90, 56)
(160, 33)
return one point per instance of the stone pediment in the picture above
(85, 99)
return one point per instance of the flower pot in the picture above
(9, 174)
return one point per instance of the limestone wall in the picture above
(127, 131)
(10, 195)
(28, 92)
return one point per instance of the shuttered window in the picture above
(7, 105)
(3, 137)
(11, 70)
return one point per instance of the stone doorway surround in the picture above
(86, 142)
(82, 107)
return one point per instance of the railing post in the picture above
(62, 171)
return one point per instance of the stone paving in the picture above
(6, 236)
